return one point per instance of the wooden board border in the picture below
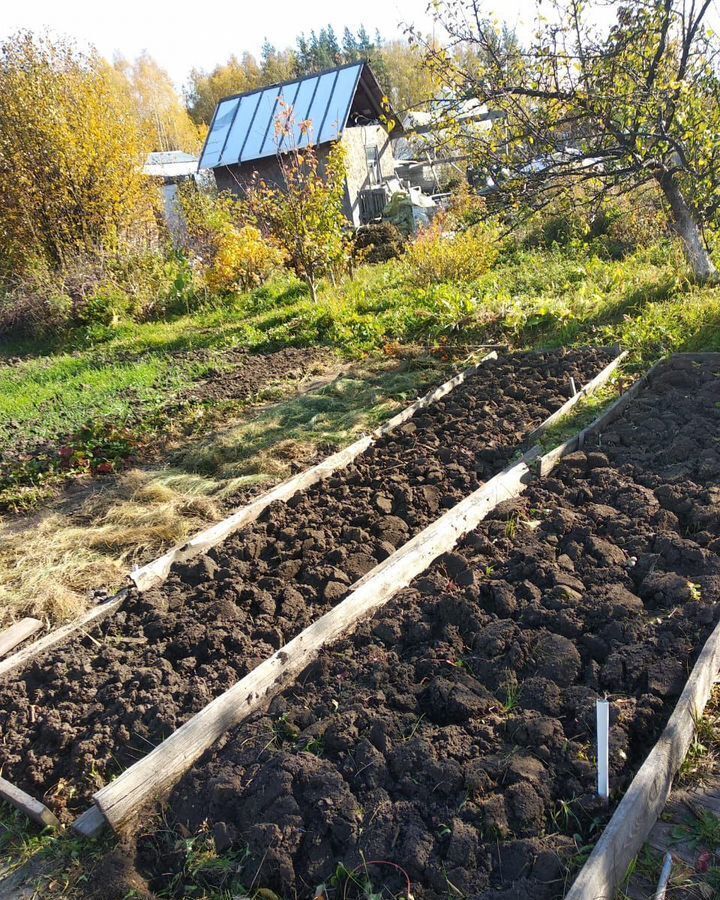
(154, 775)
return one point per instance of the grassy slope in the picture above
(548, 297)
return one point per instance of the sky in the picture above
(186, 34)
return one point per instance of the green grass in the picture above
(530, 298)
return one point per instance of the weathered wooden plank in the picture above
(644, 800)
(613, 412)
(90, 823)
(90, 618)
(155, 774)
(17, 633)
(598, 381)
(32, 808)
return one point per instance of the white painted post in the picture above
(664, 878)
(603, 734)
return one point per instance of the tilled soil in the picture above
(450, 742)
(248, 373)
(95, 705)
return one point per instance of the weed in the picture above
(703, 831)
(512, 697)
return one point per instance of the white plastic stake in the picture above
(603, 733)
(664, 878)
(572, 385)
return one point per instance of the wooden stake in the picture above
(17, 633)
(32, 808)
(602, 712)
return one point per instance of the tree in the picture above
(71, 154)
(611, 108)
(163, 118)
(349, 45)
(276, 66)
(205, 89)
(304, 215)
(406, 81)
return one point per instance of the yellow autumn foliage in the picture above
(71, 153)
(243, 260)
(437, 256)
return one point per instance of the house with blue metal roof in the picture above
(344, 104)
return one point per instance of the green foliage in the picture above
(97, 292)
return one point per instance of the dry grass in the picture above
(50, 562)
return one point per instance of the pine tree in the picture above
(364, 44)
(349, 44)
(332, 45)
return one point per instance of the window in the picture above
(372, 156)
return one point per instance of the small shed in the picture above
(169, 168)
(342, 104)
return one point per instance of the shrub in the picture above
(305, 215)
(93, 289)
(377, 243)
(466, 208)
(230, 254)
(435, 256)
(243, 259)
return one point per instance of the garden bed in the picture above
(77, 716)
(447, 747)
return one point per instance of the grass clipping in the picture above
(48, 563)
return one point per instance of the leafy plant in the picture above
(304, 215)
(436, 256)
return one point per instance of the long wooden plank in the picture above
(32, 808)
(157, 571)
(598, 425)
(17, 633)
(644, 800)
(155, 774)
(91, 617)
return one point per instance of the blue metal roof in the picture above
(243, 128)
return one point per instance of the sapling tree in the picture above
(303, 211)
(611, 97)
